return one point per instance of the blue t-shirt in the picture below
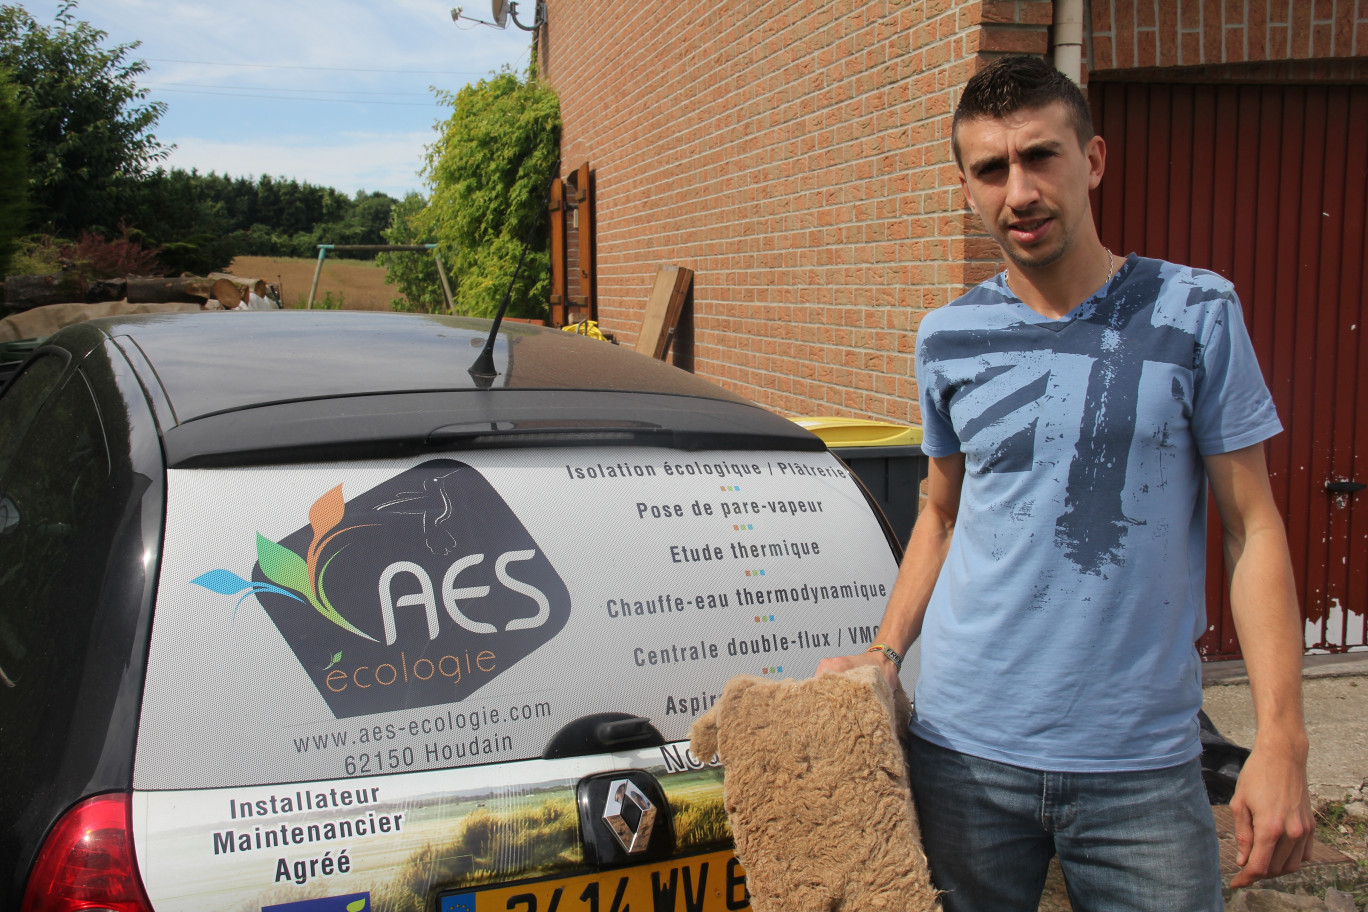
(1060, 634)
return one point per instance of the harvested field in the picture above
(358, 284)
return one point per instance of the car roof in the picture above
(240, 388)
(217, 362)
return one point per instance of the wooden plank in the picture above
(1351, 448)
(1282, 449)
(584, 207)
(1245, 209)
(1256, 292)
(1211, 123)
(663, 307)
(1314, 372)
(1157, 143)
(1221, 215)
(1180, 181)
(1202, 154)
(1335, 363)
(557, 216)
(1109, 109)
(1135, 205)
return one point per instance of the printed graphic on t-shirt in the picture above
(1064, 400)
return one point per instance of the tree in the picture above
(489, 171)
(415, 274)
(369, 218)
(201, 221)
(89, 123)
(13, 170)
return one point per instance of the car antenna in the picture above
(483, 371)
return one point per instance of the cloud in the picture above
(333, 92)
(349, 37)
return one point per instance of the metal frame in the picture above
(382, 248)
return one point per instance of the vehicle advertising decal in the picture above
(352, 902)
(436, 543)
(390, 843)
(330, 620)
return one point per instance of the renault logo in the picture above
(630, 815)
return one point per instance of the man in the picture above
(1075, 408)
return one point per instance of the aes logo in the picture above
(414, 593)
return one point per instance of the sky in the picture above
(336, 93)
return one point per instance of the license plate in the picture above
(701, 883)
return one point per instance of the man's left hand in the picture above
(1274, 826)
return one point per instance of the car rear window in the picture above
(320, 621)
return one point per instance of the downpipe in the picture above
(1068, 38)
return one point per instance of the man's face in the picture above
(1027, 178)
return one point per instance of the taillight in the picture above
(87, 862)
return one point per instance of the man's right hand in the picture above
(838, 664)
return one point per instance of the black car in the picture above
(296, 614)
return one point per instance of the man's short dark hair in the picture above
(1012, 84)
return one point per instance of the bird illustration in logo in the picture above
(436, 505)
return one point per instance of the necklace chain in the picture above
(1111, 271)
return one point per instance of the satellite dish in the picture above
(500, 9)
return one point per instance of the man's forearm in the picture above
(921, 565)
(1264, 605)
(1274, 827)
(1273, 822)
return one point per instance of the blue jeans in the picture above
(1126, 841)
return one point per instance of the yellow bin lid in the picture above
(859, 432)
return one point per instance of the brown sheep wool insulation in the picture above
(816, 790)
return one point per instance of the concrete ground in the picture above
(1335, 695)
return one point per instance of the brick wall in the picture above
(1128, 34)
(793, 153)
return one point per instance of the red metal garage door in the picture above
(1268, 185)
